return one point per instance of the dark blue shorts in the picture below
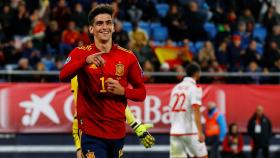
(93, 147)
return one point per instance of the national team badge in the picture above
(119, 69)
(90, 154)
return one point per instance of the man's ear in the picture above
(90, 29)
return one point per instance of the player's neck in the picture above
(104, 46)
(194, 78)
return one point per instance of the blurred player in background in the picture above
(104, 71)
(186, 136)
(140, 129)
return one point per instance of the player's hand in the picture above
(113, 86)
(96, 59)
(79, 154)
(142, 132)
(201, 137)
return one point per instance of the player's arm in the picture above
(223, 127)
(196, 96)
(197, 117)
(135, 78)
(75, 61)
(140, 129)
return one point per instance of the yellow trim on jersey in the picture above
(125, 50)
(88, 47)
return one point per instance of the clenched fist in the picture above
(113, 86)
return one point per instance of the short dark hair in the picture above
(192, 69)
(99, 9)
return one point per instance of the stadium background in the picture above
(235, 42)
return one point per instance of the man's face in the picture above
(210, 105)
(102, 27)
(198, 74)
(234, 129)
(259, 111)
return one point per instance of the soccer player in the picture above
(104, 72)
(186, 136)
(140, 129)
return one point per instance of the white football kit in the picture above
(183, 134)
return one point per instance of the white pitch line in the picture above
(71, 148)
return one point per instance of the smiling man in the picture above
(104, 71)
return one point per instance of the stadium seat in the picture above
(154, 1)
(162, 9)
(146, 27)
(179, 44)
(211, 29)
(155, 25)
(127, 26)
(198, 45)
(192, 47)
(49, 64)
(258, 25)
(259, 33)
(158, 44)
(11, 66)
(160, 34)
(260, 48)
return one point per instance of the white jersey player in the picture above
(186, 136)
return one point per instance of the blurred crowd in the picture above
(259, 128)
(220, 35)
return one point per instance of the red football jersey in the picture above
(100, 113)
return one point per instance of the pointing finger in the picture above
(101, 60)
(99, 53)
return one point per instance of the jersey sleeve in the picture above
(196, 96)
(135, 78)
(75, 61)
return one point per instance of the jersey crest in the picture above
(119, 69)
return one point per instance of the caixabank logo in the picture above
(51, 107)
(37, 106)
